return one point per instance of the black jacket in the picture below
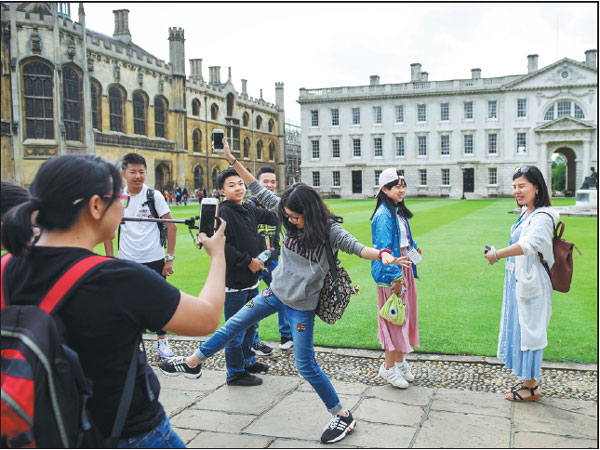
(242, 241)
(274, 234)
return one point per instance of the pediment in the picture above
(565, 72)
(566, 123)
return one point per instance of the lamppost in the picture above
(463, 183)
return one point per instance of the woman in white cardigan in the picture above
(527, 299)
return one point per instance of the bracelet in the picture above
(169, 257)
(496, 256)
(384, 250)
(234, 161)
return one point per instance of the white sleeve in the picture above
(160, 204)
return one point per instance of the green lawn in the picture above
(458, 314)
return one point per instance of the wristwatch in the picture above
(169, 257)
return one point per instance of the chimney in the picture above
(214, 75)
(424, 76)
(196, 69)
(374, 80)
(177, 51)
(122, 25)
(532, 63)
(279, 95)
(261, 94)
(415, 72)
(229, 74)
(475, 74)
(244, 87)
(591, 58)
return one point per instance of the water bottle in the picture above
(265, 255)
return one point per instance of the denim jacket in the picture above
(386, 234)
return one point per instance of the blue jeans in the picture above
(302, 326)
(284, 327)
(238, 354)
(163, 436)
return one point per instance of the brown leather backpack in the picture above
(562, 270)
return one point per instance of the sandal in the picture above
(516, 397)
(514, 388)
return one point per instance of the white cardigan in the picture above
(533, 285)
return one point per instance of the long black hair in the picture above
(383, 198)
(304, 200)
(11, 196)
(59, 192)
(535, 177)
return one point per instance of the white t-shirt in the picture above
(403, 232)
(140, 241)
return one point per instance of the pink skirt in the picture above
(406, 336)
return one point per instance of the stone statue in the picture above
(590, 182)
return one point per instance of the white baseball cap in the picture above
(387, 176)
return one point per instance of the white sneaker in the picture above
(393, 376)
(404, 370)
(163, 349)
(286, 343)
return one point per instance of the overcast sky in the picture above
(316, 45)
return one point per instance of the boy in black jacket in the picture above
(242, 245)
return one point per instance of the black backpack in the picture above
(162, 228)
(44, 388)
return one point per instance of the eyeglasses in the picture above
(293, 219)
(124, 198)
(523, 169)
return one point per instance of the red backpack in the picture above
(562, 270)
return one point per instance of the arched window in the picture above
(564, 108)
(96, 92)
(214, 111)
(160, 117)
(196, 107)
(230, 104)
(39, 101)
(245, 119)
(259, 149)
(198, 184)
(115, 103)
(271, 125)
(197, 140)
(258, 122)
(139, 113)
(271, 151)
(246, 147)
(215, 175)
(72, 104)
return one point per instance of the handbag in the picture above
(393, 310)
(336, 291)
(562, 269)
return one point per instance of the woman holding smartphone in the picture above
(390, 229)
(295, 288)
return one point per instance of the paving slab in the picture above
(484, 403)
(300, 415)
(208, 439)
(378, 435)
(414, 395)
(186, 435)
(390, 413)
(341, 387)
(296, 443)
(209, 381)
(448, 429)
(175, 400)
(553, 418)
(249, 399)
(525, 439)
(218, 421)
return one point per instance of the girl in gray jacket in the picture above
(297, 282)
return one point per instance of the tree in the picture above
(559, 173)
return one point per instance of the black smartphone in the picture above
(209, 209)
(217, 138)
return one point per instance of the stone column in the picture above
(58, 123)
(585, 162)
(542, 157)
(18, 128)
(90, 144)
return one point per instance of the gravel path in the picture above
(464, 375)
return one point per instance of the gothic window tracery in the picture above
(160, 117)
(39, 101)
(115, 102)
(96, 94)
(139, 113)
(72, 104)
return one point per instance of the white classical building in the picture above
(452, 137)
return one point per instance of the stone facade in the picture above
(452, 137)
(109, 96)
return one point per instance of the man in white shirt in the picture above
(141, 241)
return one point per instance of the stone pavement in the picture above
(285, 412)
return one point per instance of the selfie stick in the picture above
(189, 222)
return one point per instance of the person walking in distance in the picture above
(527, 298)
(141, 241)
(390, 229)
(297, 282)
(270, 239)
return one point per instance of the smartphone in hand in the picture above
(217, 138)
(209, 210)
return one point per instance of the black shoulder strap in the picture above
(332, 263)
(542, 260)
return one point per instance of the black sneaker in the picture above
(245, 379)
(337, 428)
(262, 349)
(257, 367)
(177, 365)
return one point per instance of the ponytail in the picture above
(17, 227)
